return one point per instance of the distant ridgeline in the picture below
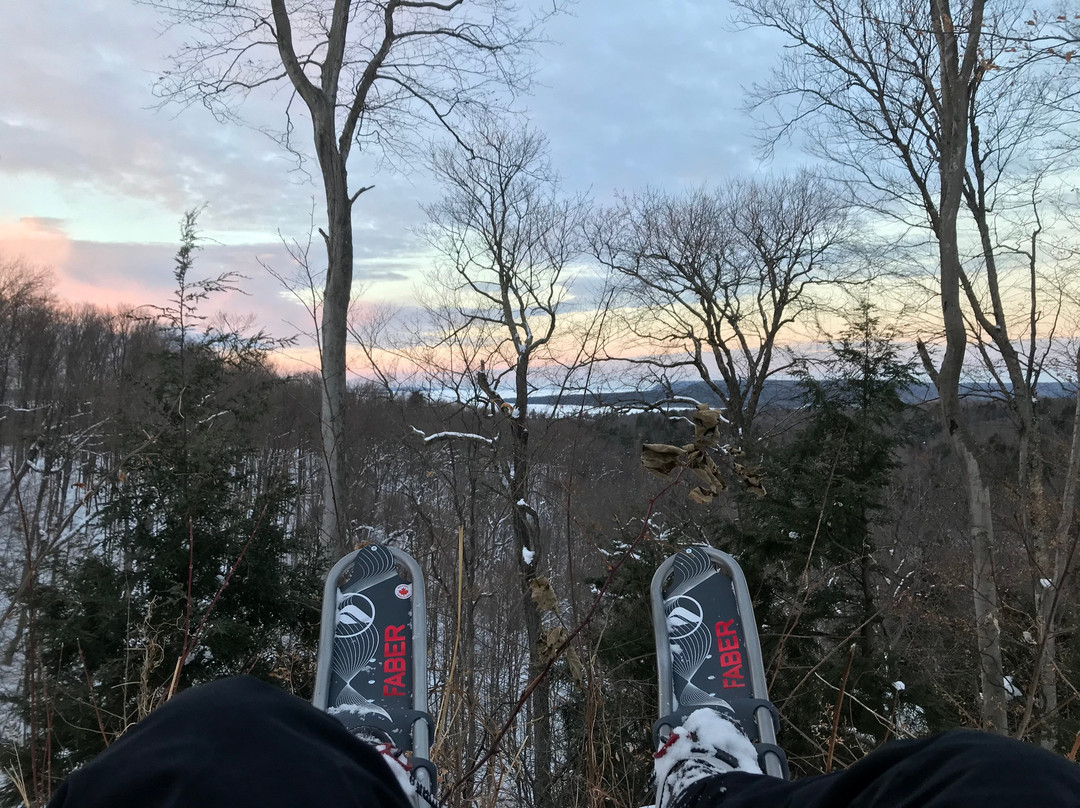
(779, 393)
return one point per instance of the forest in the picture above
(161, 529)
(859, 377)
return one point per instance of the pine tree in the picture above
(194, 576)
(809, 546)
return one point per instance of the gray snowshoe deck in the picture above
(707, 649)
(372, 662)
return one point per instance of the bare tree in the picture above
(713, 278)
(941, 124)
(368, 72)
(507, 238)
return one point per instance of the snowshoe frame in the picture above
(371, 669)
(702, 592)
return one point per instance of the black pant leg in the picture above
(234, 743)
(958, 769)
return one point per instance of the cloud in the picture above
(130, 274)
(649, 94)
(45, 225)
(93, 179)
(37, 240)
(82, 114)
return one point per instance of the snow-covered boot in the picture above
(397, 760)
(709, 742)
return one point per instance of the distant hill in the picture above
(779, 393)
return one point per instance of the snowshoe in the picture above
(372, 661)
(707, 651)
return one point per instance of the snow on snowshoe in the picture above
(707, 650)
(372, 662)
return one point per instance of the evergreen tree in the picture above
(809, 547)
(194, 575)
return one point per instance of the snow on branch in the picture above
(441, 436)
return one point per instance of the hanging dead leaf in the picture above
(543, 595)
(710, 479)
(702, 496)
(577, 670)
(707, 425)
(751, 476)
(706, 470)
(660, 458)
(549, 642)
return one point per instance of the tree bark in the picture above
(339, 248)
(332, 152)
(540, 702)
(956, 83)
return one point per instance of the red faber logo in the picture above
(727, 644)
(394, 665)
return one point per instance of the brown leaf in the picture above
(751, 476)
(706, 470)
(543, 595)
(707, 425)
(660, 458)
(702, 496)
(709, 478)
(577, 670)
(549, 642)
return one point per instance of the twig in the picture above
(18, 780)
(54, 543)
(187, 611)
(29, 581)
(531, 687)
(805, 577)
(93, 697)
(439, 724)
(191, 643)
(836, 710)
(1075, 748)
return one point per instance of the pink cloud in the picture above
(36, 241)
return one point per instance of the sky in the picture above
(95, 178)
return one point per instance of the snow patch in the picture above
(1011, 690)
(369, 708)
(527, 555)
(899, 686)
(195, 653)
(911, 721)
(1045, 583)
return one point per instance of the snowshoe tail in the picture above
(707, 649)
(372, 661)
